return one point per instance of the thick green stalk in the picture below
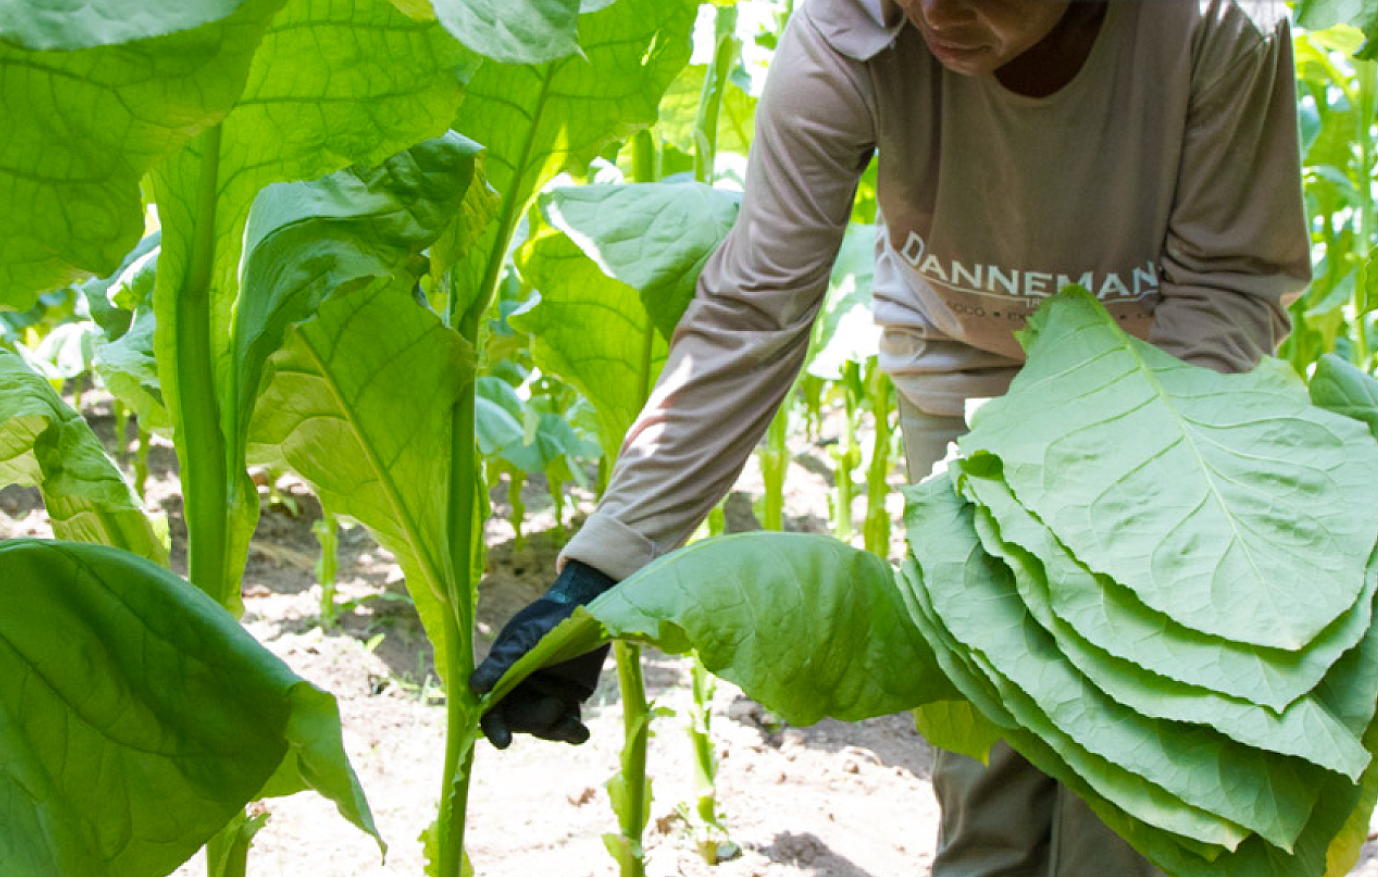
(201, 447)
(461, 707)
(634, 807)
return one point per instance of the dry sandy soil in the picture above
(832, 800)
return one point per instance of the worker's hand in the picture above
(546, 703)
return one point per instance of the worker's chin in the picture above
(968, 61)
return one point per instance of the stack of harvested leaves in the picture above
(1157, 582)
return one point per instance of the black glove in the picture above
(546, 703)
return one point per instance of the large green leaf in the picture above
(1169, 478)
(805, 624)
(591, 331)
(1305, 728)
(538, 119)
(44, 443)
(975, 598)
(1340, 387)
(82, 127)
(136, 716)
(359, 404)
(356, 227)
(512, 31)
(654, 237)
(85, 24)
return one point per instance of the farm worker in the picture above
(1145, 150)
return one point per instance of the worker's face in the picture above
(981, 36)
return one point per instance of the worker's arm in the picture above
(1237, 248)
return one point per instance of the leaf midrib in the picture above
(390, 488)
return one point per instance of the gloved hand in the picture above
(546, 703)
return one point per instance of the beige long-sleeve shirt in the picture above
(1165, 177)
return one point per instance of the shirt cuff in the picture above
(609, 546)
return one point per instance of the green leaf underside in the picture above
(44, 443)
(512, 31)
(805, 624)
(588, 329)
(1177, 496)
(137, 717)
(1305, 728)
(654, 237)
(988, 700)
(957, 726)
(85, 24)
(1339, 824)
(82, 127)
(973, 596)
(369, 360)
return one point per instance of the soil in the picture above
(831, 800)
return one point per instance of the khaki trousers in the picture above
(1008, 819)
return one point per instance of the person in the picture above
(1144, 149)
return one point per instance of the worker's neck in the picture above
(1052, 62)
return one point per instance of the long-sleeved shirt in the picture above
(1165, 177)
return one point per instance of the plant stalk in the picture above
(326, 531)
(141, 461)
(636, 724)
(726, 48)
(200, 443)
(774, 466)
(876, 529)
(847, 455)
(1367, 74)
(461, 706)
